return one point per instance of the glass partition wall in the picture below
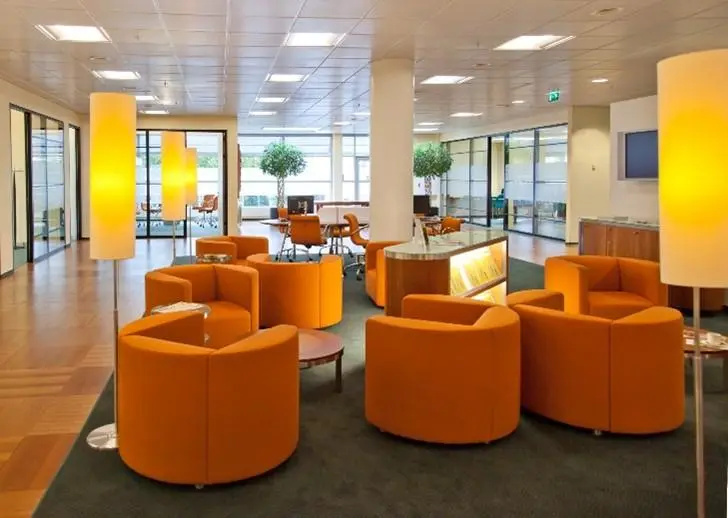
(515, 181)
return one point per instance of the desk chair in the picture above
(355, 235)
(207, 207)
(306, 231)
(450, 224)
(283, 229)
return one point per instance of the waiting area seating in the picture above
(607, 287)
(308, 295)
(448, 371)
(375, 268)
(623, 376)
(230, 291)
(189, 414)
(238, 247)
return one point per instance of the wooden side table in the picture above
(319, 347)
(716, 350)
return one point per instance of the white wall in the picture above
(633, 198)
(10, 94)
(589, 172)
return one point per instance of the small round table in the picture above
(319, 347)
(214, 259)
(708, 350)
(183, 306)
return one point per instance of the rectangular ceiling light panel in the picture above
(534, 42)
(313, 39)
(117, 75)
(446, 80)
(75, 33)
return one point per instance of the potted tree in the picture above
(431, 160)
(282, 160)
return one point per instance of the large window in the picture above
(457, 180)
(519, 180)
(356, 182)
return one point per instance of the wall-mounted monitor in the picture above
(641, 155)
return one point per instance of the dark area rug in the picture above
(346, 468)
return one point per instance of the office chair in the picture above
(450, 224)
(305, 231)
(355, 235)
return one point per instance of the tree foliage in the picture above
(431, 160)
(282, 160)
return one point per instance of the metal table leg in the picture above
(337, 381)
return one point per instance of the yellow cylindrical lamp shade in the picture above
(693, 174)
(112, 175)
(174, 176)
(191, 183)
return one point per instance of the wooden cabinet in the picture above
(613, 239)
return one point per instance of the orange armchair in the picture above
(607, 287)
(185, 411)
(376, 274)
(231, 292)
(308, 295)
(447, 372)
(239, 247)
(622, 376)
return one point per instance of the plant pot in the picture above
(273, 212)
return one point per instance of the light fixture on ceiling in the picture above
(415, 99)
(294, 129)
(155, 112)
(535, 42)
(286, 78)
(361, 114)
(429, 123)
(313, 39)
(146, 98)
(342, 123)
(261, 113)
(167, 102)
(74, 33)
(446, 80)
(116, 75)
(98, 59)
(423, 130)
(466, 114)
(271, 99)
(600, 80)
(518, 101)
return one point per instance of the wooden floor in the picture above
(55, 352)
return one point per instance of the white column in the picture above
(392, 116)
(337, 165)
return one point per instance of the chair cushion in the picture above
(616, 304)
(226, 323)
(541, 298)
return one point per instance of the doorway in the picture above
(19, 166)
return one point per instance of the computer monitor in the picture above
(300, 205)
(421, 204)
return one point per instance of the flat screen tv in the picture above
(640, 155)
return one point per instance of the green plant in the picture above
(282, 160)
(431, 160)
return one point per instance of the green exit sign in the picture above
(554, 96)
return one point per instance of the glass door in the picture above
(497, 181)
(519, 189)
(19, 165)
(207, 212)
(363, 180)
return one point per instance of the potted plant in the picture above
(431, 160)
(282, 160)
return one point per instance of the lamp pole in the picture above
(698, 390)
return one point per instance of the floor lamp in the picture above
(174, 188)
(191, 184)
(693, 187)
(112, 171)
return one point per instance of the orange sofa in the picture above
(308, 295)
(376, 275)
(621, 376)
(239, 247)
(230, 291)
(188, 414)
(607, 287)
(448, 371)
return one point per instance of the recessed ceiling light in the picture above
(421, 130)
(313, 39)
(518, 101)
(446, 80)
(117, 75)
(98, 59)
(76, 33)
(286, 78)
(155, 112)
(466, 114)
(167, 102)
(342, 123)
(600, 80)
(415, 99)
(537, 42)
(283, 130)
(271, 99)
(146, 98)
(429, 123)
(361, 114)
(261, 113)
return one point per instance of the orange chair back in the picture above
(282, 213)
(450, 224)
(354, 230)
(305, 230)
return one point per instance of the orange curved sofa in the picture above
(607, 287)
(376, 274)
(239, 247)
(188, 414)
(231, 292)
(448, 371)
(308, 295)
(622, 376)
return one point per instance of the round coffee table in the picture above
(319, 347)
(708, 350)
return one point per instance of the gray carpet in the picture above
(345, 468)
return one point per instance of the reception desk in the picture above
(624, 237)
(467, 264)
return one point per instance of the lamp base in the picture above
(103, 438)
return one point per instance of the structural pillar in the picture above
(391, 140)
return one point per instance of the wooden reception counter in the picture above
(624, 237)
(468, 264)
